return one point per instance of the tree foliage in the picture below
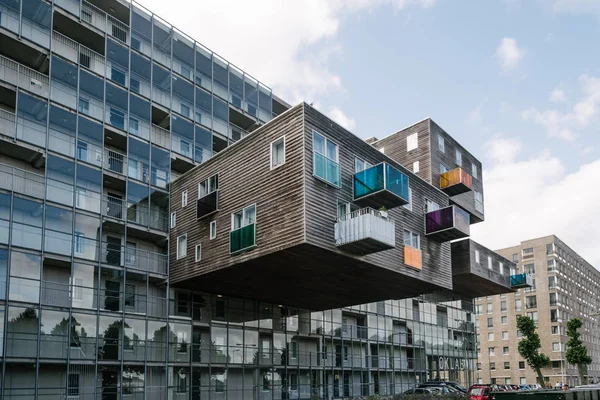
(530, 345)
(577, 353)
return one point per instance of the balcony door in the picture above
(111, 295)
(113, 250)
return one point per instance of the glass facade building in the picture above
(101, 106)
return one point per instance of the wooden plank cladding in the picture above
(290, 206)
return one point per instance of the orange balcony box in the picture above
(455, 182)
(412, 257)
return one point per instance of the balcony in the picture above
(365, 231)
(521, 281)
(455, 182)
(242, 239)
(207, 205)
(448, 223)
(412, 257)
(381, 186)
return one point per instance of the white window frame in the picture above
(441, 144)
(212, 230)
(477, 258)
(431, 205)
(336, 160)
(490, 264)
(413, 236)
(416, 168)
(412, 141)
(458, 158)
(184, 198)
(212, 184)
(474, 171)
(198, 252)
(244, 212)
(173, 220)
(365, 164)
(271, 147)
(179, 238)
(408, 205)
(443, 169)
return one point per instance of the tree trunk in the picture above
(540, 377)
(582, 378)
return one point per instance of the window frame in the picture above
(408, 206)
(474, 171)
(458, 157)
(337, 158)
(212, 230)
(416, 167)
(413, 236)
(271, 146)
(409, 140)
(178, 255)
(243, 210)
(441, 144)
(365, 163)
(184, 198)
(173, 220)
(198, 253)
(214, 189)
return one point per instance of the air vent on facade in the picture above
(35, 82)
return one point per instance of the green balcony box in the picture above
(242, 239)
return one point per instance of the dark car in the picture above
(420, 391)
(453, 385)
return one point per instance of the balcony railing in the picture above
(21, 181)
(447, 224)
(24, 77)
(115, 161)
(77, 53)
(242, 239)
(365, 231)
(132, 257)
(207, 205)
(104, 22)
(521, 281)
(161, 136)
(412, 257)
(455, 182)
(381, 186)
(8, 123)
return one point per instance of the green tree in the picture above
(530, 345)
(577, 353)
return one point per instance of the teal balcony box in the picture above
(242, 239)
(380, 186)
(521, 281)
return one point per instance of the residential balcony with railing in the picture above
(242, 239)
(365, 231)
(23, 77)
(115, 161)
(413, 257)
(20, 181)
(455, 182)
(8, 123)
(381, 186)
(448, 223)
(131, 257)
(77, 53)
(161, 136)
(521, 281)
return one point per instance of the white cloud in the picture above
(525, 199)
(509, 54)
(566, 124)
(558, 96)
(285, 44)
(502, 149)
(576, 6)
(338, 116)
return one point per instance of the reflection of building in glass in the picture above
(102, 107)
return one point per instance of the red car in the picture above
(478, 392)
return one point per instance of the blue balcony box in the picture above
(521, 281)
(380, 186)
(448, 223)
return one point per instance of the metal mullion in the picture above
(6, 305)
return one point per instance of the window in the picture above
(479, 309)
(79, 242)
(478, 201)
(506, 364)
(503, 306)
(346, 353)
(492, 366)
(213, 229)
(443, 169)
(477, 259)
(522, 380)
(474, 170)
(556, 346)
(208, 186)
(278, 152)
(505, 335)
(489, 262)
(181, 246)
(198, 252)
(521, 364)
(551, 265)
(412, 239)
(490, 322)
(130, 252)
(129, 295)
(504, 320)
(505, 350)
(492, 351)
(441, 144)
(552, 282)
(458, 158)
(84, 106)
(412, 141)
(489, 308)
(293, 349)
(532, 288)
(555, 330)
(408, 205)
(294, 377)
(173, 219)
(343, 208)
(361, 165)
(243, 218)
(490, 336)
(519, 334)
(529, 268)
(415, 167)
(325, 163)
(515, 258)
(554, 316)
(555, 364)
(533, 315)
(184, 198)
(530, 302)
(73, 382)
(528, 251)
(431, 206)
(550, 249)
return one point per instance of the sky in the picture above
(516, 82)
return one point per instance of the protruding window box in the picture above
(412, 257)
(365, 231)
(448, 223)
(521, 281)
(207, 205)
(455, 182)
(242, 239)
(381, 186)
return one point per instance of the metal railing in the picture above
(132, 257)
(77, 53)
(21, 181)
(161, 136)
(365, 223)
(23, 77)
(8, 123)
(106, 23)
(115, 161)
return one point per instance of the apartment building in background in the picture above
(116, 282)
(564, 286)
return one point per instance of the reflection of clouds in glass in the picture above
(24, 290)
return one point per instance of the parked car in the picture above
(453, 385)
(479, 392)
(420, 391)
